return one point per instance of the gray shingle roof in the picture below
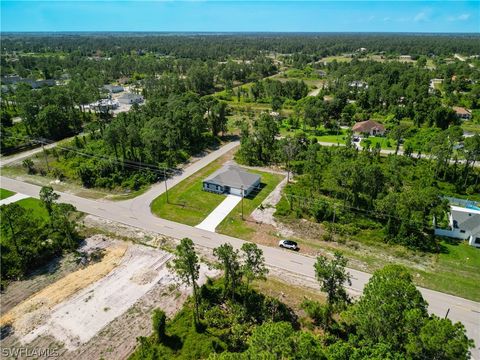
(128, 96)
(233, 176)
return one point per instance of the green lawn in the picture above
(36, 206)
(337, 139)
(456, 271)
(233, 224)
(5, 193)
(321, 134)
(385, 143)
(189, 204)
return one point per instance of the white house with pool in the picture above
(464, 223)
(232, 180)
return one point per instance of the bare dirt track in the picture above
(98, 311)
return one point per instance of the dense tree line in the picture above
(29, 240)
(242, 45)
(233, 321)
(400, 192)
(400, 90)
(133, 149)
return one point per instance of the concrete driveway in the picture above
(219, 213)
(13, 198)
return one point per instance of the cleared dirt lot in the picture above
(98, 310)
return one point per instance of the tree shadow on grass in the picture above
(442, 249)
(173, 342)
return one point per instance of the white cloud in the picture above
(461, 17)
(421, 16)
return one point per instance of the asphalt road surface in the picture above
(136, 212)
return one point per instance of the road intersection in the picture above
(136, 212)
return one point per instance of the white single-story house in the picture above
(231, 180)
(130, 98)
(103, 105)
(464, 223)
(359, 84)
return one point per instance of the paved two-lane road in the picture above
(136, 212)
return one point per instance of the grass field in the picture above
(385, 143)
(5, 193)
(29, 203)
(188, 203)
(36, 206)
(320, 134)
(454, 270)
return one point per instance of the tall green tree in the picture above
(439, 339)
(187, 267)
(332, 276)
(391, 307)
(230, 264)
(253, 266)
(48, 198)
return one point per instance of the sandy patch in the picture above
(264, 213)
(23, 316)
(77, 320)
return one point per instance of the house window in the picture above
(477, 240)
(462, 231)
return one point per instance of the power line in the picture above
(374, 213)
(127, 163)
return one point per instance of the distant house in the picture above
(358, 84)
(231, 180)
(462, 113)
(34, 84)
(113, 89)
(130, 98)
(321, 73)
(124, 80)
(275, 115)
(433, 84)
(368, 127)
(464, 223)
(405, 57)
(103, 105)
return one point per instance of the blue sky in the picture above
(240, 16)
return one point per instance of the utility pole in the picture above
(243, 195)
(448, 311)
(46, 157)
(165, 179)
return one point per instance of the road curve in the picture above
(466, 311)
(136, 213)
